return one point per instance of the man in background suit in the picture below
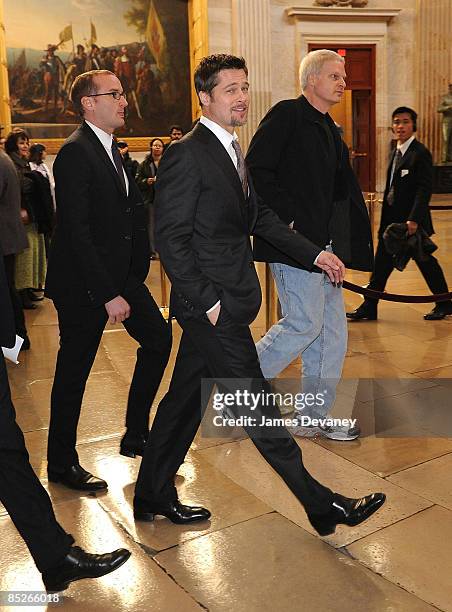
(25, 498)
(99, 260)
(206, 209)
(406, 200)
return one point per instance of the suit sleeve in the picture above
(424, 186)
(72, 179)
(270, 227)
(177, 192)
(264, 154)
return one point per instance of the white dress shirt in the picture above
(404, 146)
(107, 140)
(223, 136)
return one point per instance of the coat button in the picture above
(127, 237)
(251, 264)
(128, 210)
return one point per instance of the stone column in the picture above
(5, 111)
(433, 59)
(251, 37)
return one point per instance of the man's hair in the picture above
(312, 64)
(406, 109)
(36, 151)
(176, 127)
(208, 69)
(13, 138)
(84, 85)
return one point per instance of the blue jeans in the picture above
(314, 325)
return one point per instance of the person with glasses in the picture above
(98, 262)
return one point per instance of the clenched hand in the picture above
(118, 310)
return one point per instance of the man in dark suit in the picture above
(406, 200)
(206, 209)
(13, 238)
(25, 498)
(301, 170)
(99, 260)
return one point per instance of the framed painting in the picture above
(146, 43)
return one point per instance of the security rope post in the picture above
(164, 308)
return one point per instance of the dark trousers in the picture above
(224, 351)
(80, 333)
(16, 302)
(430, 270)
(22, 494)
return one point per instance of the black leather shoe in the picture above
(438, 313)
(75, 477)
(363, 313)
(78, 564)
(132, 444)
(175, 511)
(346, 511)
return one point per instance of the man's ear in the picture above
(204, 98)
(87, 103)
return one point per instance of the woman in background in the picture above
(146, 177)
(30, 263)
(45, 187)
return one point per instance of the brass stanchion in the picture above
(271, 300)
(164, 308)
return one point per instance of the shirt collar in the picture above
(223, 135)
(105, 138)
(404, 147)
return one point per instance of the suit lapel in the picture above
(220, 156)
(103, 155)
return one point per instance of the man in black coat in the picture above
(13, 238)
(98, 262)
(301, 170)
(406, 200)
(206, 209)
(25, 498)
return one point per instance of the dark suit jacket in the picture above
(203, 227)
(100, 244)
(7, 325)
(10, 434)
(13, 238)
(293, 171)
(413, 184)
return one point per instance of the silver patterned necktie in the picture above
(395, 166)
(241, 167)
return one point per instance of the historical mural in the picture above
(144, 42)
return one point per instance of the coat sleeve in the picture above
(73, 176)
(264, 154)
(270, 227)
(424, 186)
(177, 191)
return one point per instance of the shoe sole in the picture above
(148, 517)
(56, 478)
(340, 437)
(130, 453)
(63, 586)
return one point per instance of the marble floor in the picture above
(258, 552)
